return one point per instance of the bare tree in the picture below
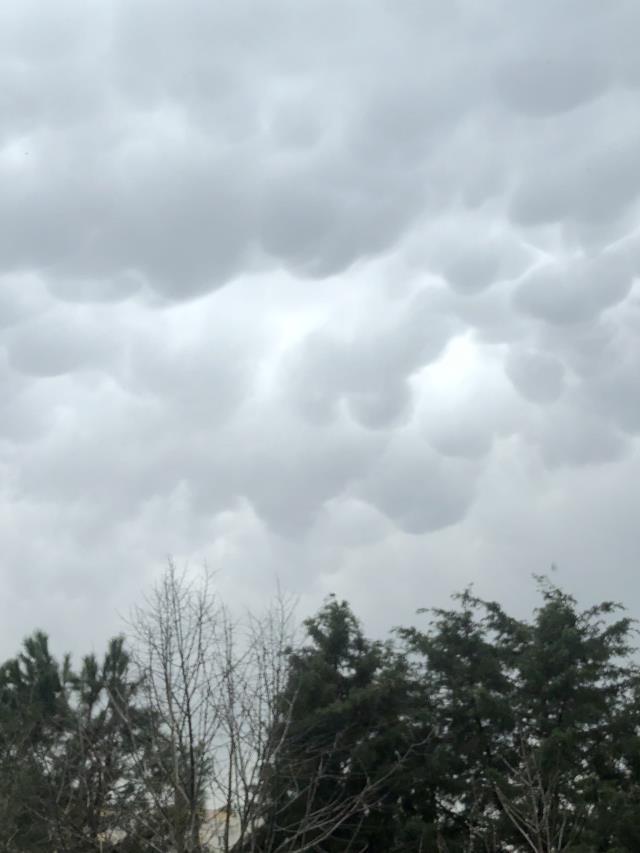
(321, 820)
(175, 635)
(213, 686)
(535, 806)
(210, 684)
(253, 659)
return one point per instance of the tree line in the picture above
(471, 732)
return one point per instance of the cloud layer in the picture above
(343, 292)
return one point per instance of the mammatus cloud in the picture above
(336, 293)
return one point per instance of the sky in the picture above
(337, 293)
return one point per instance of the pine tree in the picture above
(67, 779)
(331, 786)
(33, 711)
(533, 722)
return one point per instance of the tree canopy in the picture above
(471, 731)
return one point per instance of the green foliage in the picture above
(65, 776)
(341, 728)
(533, 720)
(479, 733)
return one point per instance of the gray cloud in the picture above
(548, 84)
(537, 376)
(417, 489)
(369, 370)
(58, 343)
(331, 294)
(575, 437)
(576, 291)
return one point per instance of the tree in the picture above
(174, 636)
(32, 709)
(66, 774)
(531, 719)
(211, 684)
(574, 690)
(254, 659)
(330, 785)
(480, 734)
(460, 684)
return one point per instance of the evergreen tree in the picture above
(331, 786)
(67, 779)
(533, 721)
(33, 712)
(480, 734)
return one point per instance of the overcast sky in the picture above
(343, 292)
